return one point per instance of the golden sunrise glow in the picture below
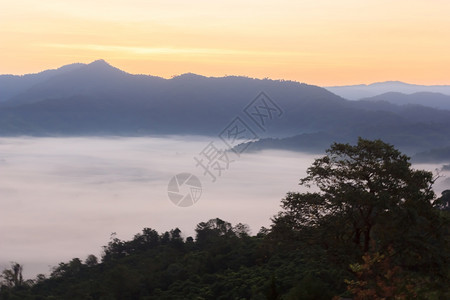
(323, 42)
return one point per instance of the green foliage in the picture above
(369, 200)
(443, 203)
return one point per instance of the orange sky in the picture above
(314, 41)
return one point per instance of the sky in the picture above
(322, 42)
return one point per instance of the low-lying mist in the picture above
(62, 198)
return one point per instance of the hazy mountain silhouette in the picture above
(435, 100)
(411, 138)
(98, 79)
(356, 92)
(12, 85)
(99, 99)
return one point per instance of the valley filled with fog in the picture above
(61, 196)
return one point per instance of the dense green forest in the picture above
(370, 228)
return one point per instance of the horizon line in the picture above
(228, 75)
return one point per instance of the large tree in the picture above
(360, 194)
(366, 201)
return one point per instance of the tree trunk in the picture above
(367, 238)
(357, 238)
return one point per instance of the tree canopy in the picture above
(368, 198)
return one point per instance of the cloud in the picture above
(146, 50)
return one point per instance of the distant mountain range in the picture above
(99, 99)
(356, 92)
(435, 100)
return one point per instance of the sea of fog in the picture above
(62, 198)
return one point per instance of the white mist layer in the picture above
(62, 198)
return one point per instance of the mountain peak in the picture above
(188, 76)
(100, 65)
(100, 62)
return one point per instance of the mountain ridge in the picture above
(360, 91)
(99, 99)
(430, 99)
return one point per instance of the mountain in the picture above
(435, 100)
(97, 79)
(413, 138)
(12, 85)
(355, 92)
(99, 99)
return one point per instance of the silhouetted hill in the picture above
(435, 100)
(411, 138)
(97, 79)
(99, 99)
(355, 92)
(12, 85)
